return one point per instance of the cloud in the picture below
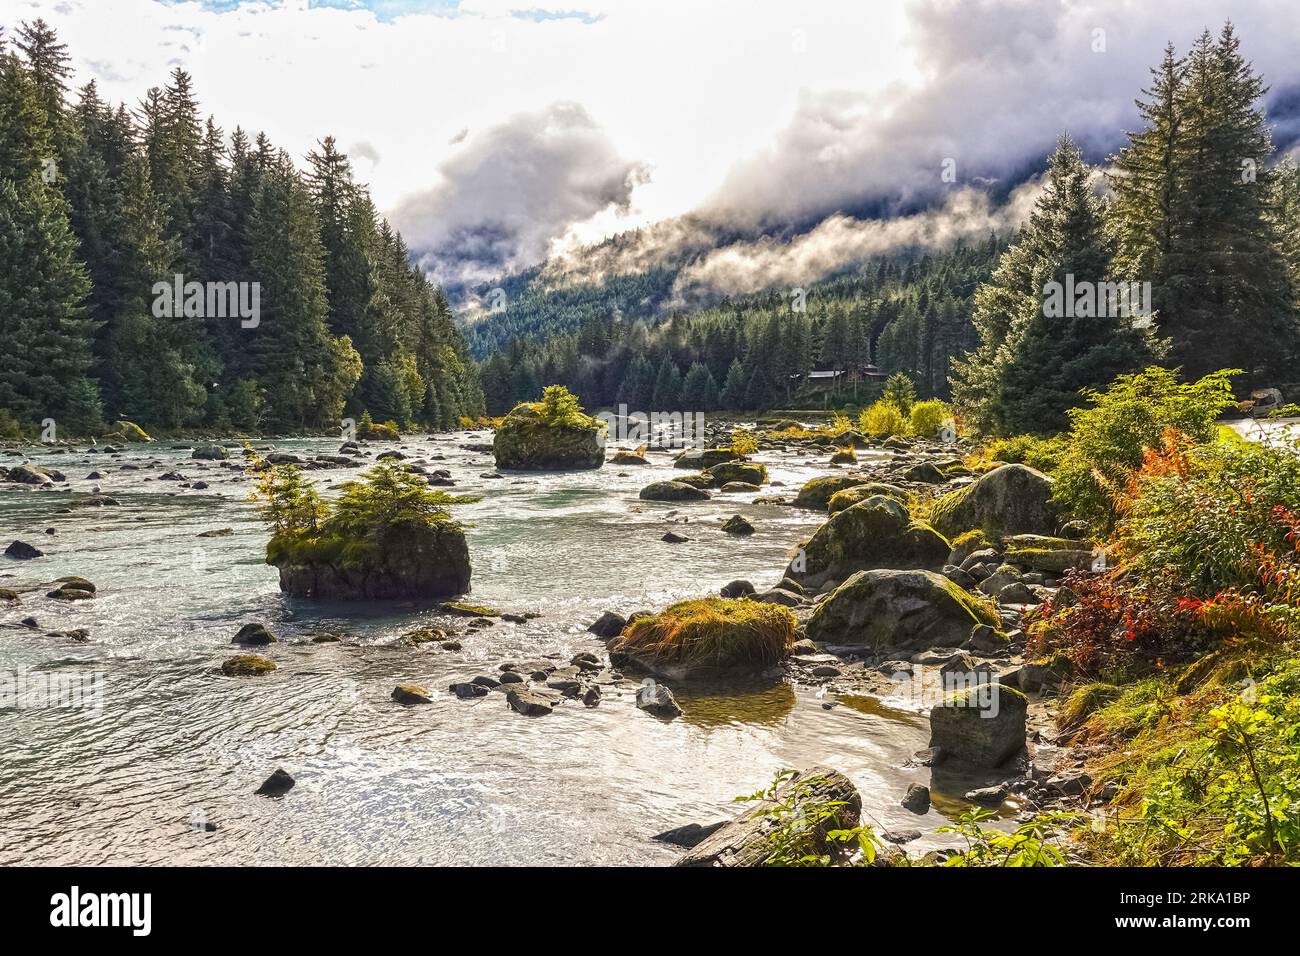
(509, 192)
(998, 81)
(839, 242)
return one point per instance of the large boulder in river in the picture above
(979, 726)
(906, 610)
(530, 440)
(210, 453)
(673, 491)
(31, 475)
(817, 492)
(875, 533)
(408, 560)
(1010, 499)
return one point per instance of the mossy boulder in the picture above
(851, 496)
(925, 471)
(1010, 499)
(903, 610)
(703, 458)
(817, 493)
(745, 471)
(672, 491)
(406, 560)
(707, 637)
(966, 544)
(526, 440)
(874, 533)
(979, 726)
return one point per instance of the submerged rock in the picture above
(247, 665)
(654, 698)
(737, 525)
(22, 551)
(411, 694)
(530, 703)
(276, 785)
(253, 634)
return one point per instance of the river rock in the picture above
(410, 694)
(983, 726)
(747, 840)
(654, 698)
(816, 494)
(735, 589)
(737, 525)
(629, 458)
(467, 690)
(703, 458)
(525, 441)
(744, 471)
(247, 665)
(874, 533)
(531, 703)
(855, 493)
(1010, 499)
(276, 785)
(608, 625)
(926, 472)
(253, 634)
(917, 799)
(22, 551)
(898, 609)
(672, 491)
(30, 475)
(9, 597)
(412, 561)
(672, 537)
(210, 453)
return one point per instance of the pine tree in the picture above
(668, 387)
(733, 389)
(1032, 361)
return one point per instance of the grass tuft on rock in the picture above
(712, 633)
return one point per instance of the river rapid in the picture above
(174, 748)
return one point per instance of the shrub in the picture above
(1211, 515)
(1119, 627)
(883, 418)
(713, 632)
(840, 423)
(1041, 453)
(743, 442)
(928, 418)
(560, 408)
(9, 427)
(1108, 441)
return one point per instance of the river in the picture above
(174, 742)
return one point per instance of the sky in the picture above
(495, 133)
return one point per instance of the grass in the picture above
(713, 632)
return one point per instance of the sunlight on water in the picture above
(452, 782)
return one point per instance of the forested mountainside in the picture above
(614, 342)
(101, 202)
(1198, 210)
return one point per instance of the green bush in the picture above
(929, 417)
(560, 407)
(1108, 440)
(1045, 454)
(882, 419)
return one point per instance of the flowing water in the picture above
(174, 744)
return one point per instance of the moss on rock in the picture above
(708, 636)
